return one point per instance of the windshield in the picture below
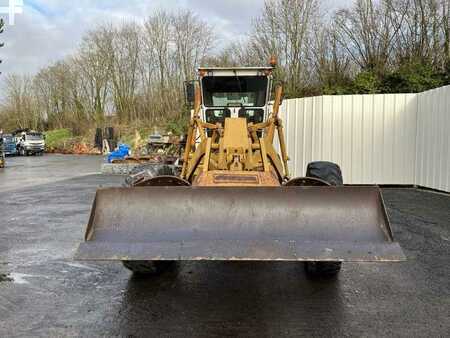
(218, 115)
(235, 91)
(34, 137)
(8, 139)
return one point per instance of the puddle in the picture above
(16, 278)
(81, 266)
(19, 278)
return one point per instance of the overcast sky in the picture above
(48, 30)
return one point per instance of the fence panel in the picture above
(372, 137)
(433, 139)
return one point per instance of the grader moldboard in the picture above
(234, 199)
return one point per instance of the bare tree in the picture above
(94, 65)
(331, 64)
(193, 40)
(367, 32)
(135, 72)
(19, 102)
(158, 36)
(445, 6)
(124, 69)
(174, 44)
(424, 33)
(285, 29)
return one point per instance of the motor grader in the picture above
(234, 199)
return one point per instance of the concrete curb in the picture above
(118, 168)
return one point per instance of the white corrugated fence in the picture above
(433, 139)
(376, 139)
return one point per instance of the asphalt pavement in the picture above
(45, 204)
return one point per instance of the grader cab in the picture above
(231, 121)
(234, 199)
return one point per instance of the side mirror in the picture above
(189, 92)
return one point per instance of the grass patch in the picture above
(58, 138)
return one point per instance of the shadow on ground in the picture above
(231, 299)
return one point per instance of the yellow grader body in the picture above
(235, 155)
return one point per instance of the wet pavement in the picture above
(45, 203)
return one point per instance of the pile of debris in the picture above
(158, 149)
(75, 147)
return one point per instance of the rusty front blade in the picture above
(260, 223)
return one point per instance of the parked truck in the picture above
(29, 142)
(9, 145)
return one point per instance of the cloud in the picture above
(49, 30)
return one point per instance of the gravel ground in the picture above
(45, 204)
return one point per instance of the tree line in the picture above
(136, 72)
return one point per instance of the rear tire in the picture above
(332, 174)
(139, 174)
(326, 171)
(148, 268)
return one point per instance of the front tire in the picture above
(330, 173)
(322, 269)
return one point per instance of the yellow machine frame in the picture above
(234, 155)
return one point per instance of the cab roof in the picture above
(233, 71)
